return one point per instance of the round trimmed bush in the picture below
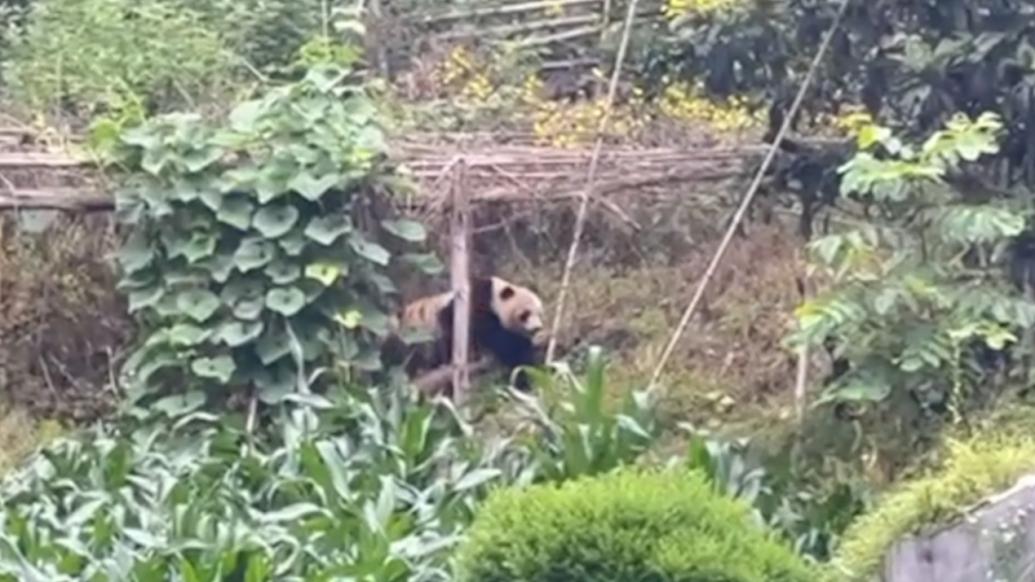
(625, 526)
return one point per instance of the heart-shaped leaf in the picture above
(136, 253)
(245, 116)
(325, 273)
(236, 211)
(370, 251)
(249, 308)
(146, 297)
(220, 368)
(407, 230)
(219, 265)
(293, 243)
(185, 334)
(275, 220)
(276, 385)
(239, 333)
(200, 246)
(254, 253)
(313, 187)
(180, 404)
(282, 271)
(202, 157)
(426, 263)
(198, 304)
(272, 346)
(286, 301)
(326, 229)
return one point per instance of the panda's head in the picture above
(519, 308)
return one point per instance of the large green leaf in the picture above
(325, 273)
(185, 334)
(273, 345)
(313, 187)
(180, 404)
(198, 304)
(370, 251)
(408, 230)
(426, 263)
(286, 301)
(137, 252)
(219, 266)
(237, 212)
(238, 333)
(219, 368)
(275, 220)
(253, 254)
(293, 243)
(283, 271)
(326, 229)
(200, 246)
(145, 297)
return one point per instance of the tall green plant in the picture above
(253, 257)
(86, 55)
(920, 285)
(580, 432)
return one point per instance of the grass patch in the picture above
(21, 435)
(973, 470)
(729, 369)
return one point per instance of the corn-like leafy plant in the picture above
(373, 488)
(919, 286)
(581, 432)
(255, 249)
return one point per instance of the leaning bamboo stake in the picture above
(746, 203)
(459, 268)
(591, 174)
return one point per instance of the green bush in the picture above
(85, 54)
(624, 526)
(975, 469)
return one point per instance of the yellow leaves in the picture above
(569, 125)
(674, 9)
(682, 101)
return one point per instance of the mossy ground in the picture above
(974, 469)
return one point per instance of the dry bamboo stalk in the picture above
(17, 160)
(746, 203)
(69, 200)
(510, 29)
(580, 218)
(559, 36)
(496, 10)
(460, 226)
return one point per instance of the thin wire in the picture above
(752, 190)
(580, 217)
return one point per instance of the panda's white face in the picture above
(519, 308)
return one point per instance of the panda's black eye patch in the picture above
(525, 315)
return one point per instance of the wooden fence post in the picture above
(459, 270)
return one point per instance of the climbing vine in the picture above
(258, 251)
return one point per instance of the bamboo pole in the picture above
(459, 261)
(497, 10)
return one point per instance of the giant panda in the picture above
(506, 324)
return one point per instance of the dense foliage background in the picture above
(241, 425)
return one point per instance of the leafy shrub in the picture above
(374, 488)
(254, 251)
(975, 469)
(267, 33)
(623, 526)
(918, 291)
(579, 435)
(98, 53)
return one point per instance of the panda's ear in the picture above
(507, 292)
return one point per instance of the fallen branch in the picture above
(436, 381)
